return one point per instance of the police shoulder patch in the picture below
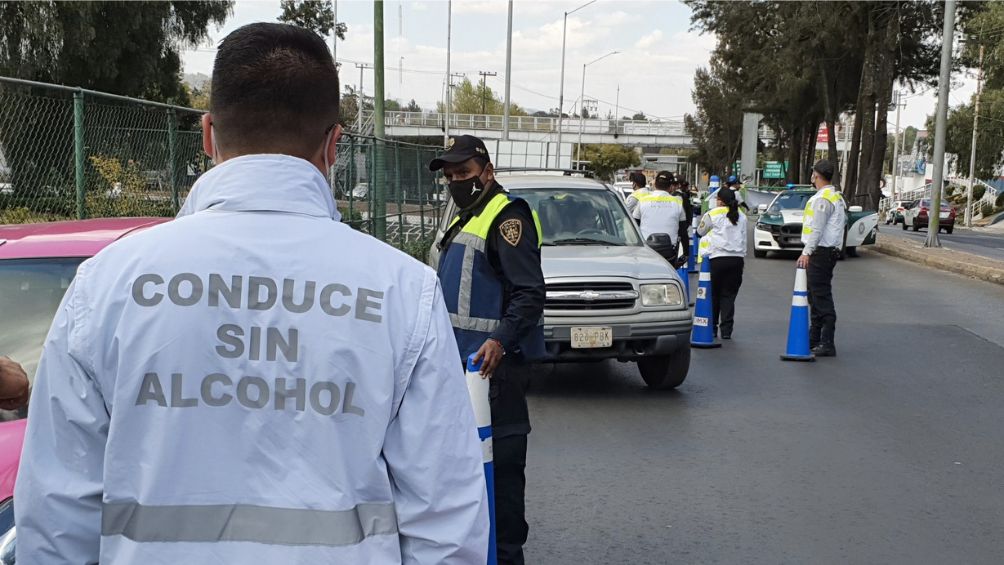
(512, 231)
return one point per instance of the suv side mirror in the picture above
(761, 208)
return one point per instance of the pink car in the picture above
(37, 263)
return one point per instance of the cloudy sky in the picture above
(654, 69)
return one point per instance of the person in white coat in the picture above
(725, 247)
(254, 382)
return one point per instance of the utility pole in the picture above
(508, 76)
(484, 88)
(379, 212)
(449, 77)
(895, 150)
(561, 92)
(617, 112)
(972, 152)
(941, 125)
(360, 99)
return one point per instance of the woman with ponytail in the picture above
(724, 228)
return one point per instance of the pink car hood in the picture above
(79, 238)
(11, 439)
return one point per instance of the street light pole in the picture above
(449, 77)
(941, 125)
(972, 152)
(561, 93)
(582, 102)
(508, 76)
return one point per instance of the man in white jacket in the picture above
(254, 382)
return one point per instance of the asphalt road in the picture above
(982, 243)
(889, 453)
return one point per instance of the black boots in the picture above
(824, 350)
(821, 341)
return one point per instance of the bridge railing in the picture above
(534, 123)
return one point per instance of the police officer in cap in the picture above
(489, 269)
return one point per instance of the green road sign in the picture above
(773, 170)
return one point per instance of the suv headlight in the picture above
(661, 295)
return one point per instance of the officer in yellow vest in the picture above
(823, 236)
(489, 270)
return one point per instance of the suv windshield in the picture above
(791, 200)
(30, 293)
(581, 217)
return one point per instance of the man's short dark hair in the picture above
(638, 179)
(274, 90)
(824, 169)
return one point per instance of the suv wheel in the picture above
(667, 372)
(759, 254)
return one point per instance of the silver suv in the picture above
(609, 296)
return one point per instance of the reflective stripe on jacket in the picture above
(473, 289)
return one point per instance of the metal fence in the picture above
(68, 153)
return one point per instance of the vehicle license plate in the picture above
(592, 338)
(944, 215)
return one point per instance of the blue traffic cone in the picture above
(695, 241)
(477, 387)
(798, 326)
(703, 334)
(685, 277)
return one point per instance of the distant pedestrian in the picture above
(823, 234)
(726, 250)
(660, 213)
(639, 189)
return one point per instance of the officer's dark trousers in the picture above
(824, 313)
(726, 278)
(510, 426)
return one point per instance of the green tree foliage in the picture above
(959, 139)
(129, 48)
(316, 15)
(803, 63)
(471, 98)
(716, 126)
(199, 97)
(608, 158)
(412, 106)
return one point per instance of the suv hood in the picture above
(604, 261)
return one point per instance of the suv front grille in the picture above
(590, 296)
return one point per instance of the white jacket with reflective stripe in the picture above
(254, 382)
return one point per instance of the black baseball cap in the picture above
(460, 148)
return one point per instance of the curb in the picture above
(958, 262)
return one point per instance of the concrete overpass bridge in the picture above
(669, 133)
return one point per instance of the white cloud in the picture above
(480, 7)
(649, 40)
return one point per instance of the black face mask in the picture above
(466, 192)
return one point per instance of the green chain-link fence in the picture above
(68, 153)
(385, 188)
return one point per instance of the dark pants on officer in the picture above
(510, 426)
(726, 278)
(820, 278)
